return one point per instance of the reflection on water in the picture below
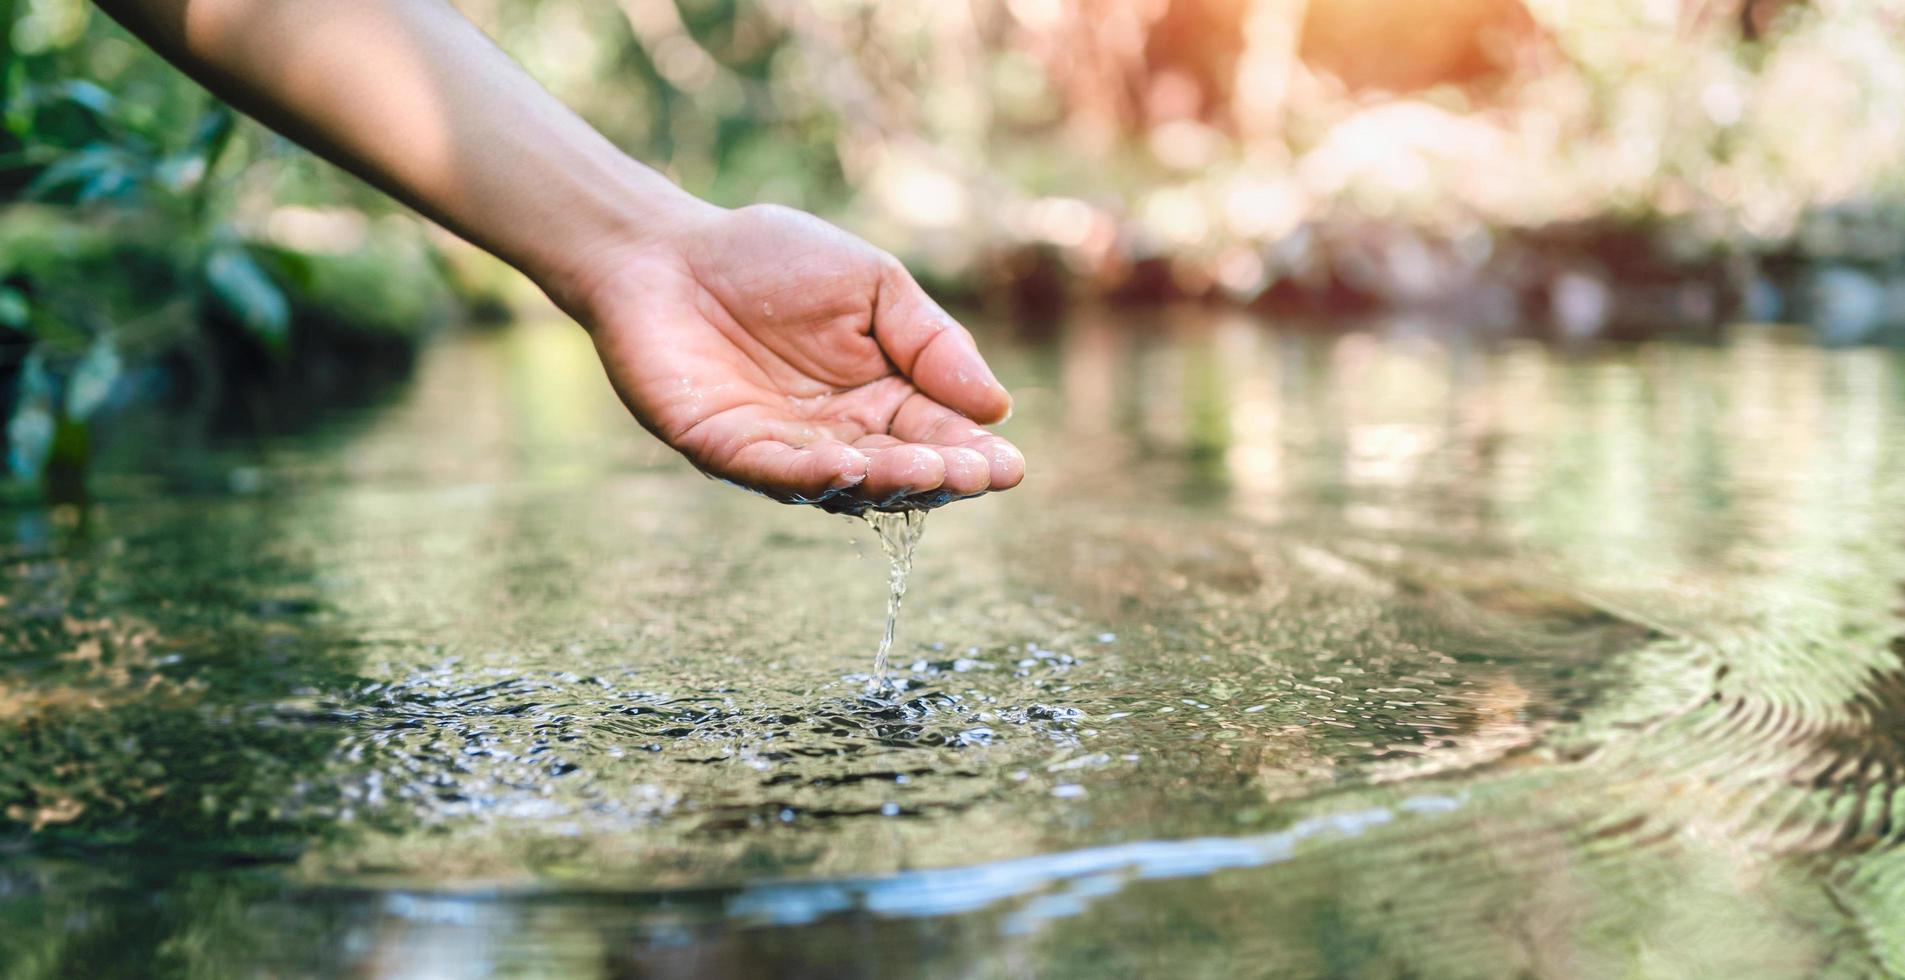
(1387, 653)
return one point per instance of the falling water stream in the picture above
(899, 533)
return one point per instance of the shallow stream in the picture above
(1389, 653)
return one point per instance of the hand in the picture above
(782, 354)
(772, 349)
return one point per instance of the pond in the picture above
(1388, 652)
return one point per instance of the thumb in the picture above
(933, 350)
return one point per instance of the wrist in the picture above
(620, 216)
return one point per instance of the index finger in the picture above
(934, 351)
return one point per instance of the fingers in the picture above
(881, 470)
(967, 472)
(902, 469)
(1005, 464)
(934, 350)
(899, 470)
(935, 455)
(798, 474)
(922, 420)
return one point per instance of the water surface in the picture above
(1395, 652)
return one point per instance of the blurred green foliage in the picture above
(133, 262)
(1394, 152)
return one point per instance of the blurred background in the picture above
(1462, 527)
(1575, 171)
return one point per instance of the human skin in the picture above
(772, 349)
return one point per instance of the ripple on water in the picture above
(453, 745)
(1335, 673)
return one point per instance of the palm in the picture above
(779, 353)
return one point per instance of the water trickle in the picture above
(899, 533)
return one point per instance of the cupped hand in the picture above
(782, 354)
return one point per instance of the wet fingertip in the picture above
(924, 470)
(967, 470)
(1001, 409)
(853, 470)
(1008, 466)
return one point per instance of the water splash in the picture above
(899, 533)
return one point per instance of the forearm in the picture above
(412, 97)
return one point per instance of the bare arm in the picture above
(411, 96)
(768, 347)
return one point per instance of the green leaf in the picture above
(85, 94)
(105, 185)
(295, 269)
(214, 132)
(87, 168)
(31, 428)
(14, 308)
(35, 380)
(192, 166)
(19, 109)
(29, 438)
(249, 294)
(179, 172)
(91, 381)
